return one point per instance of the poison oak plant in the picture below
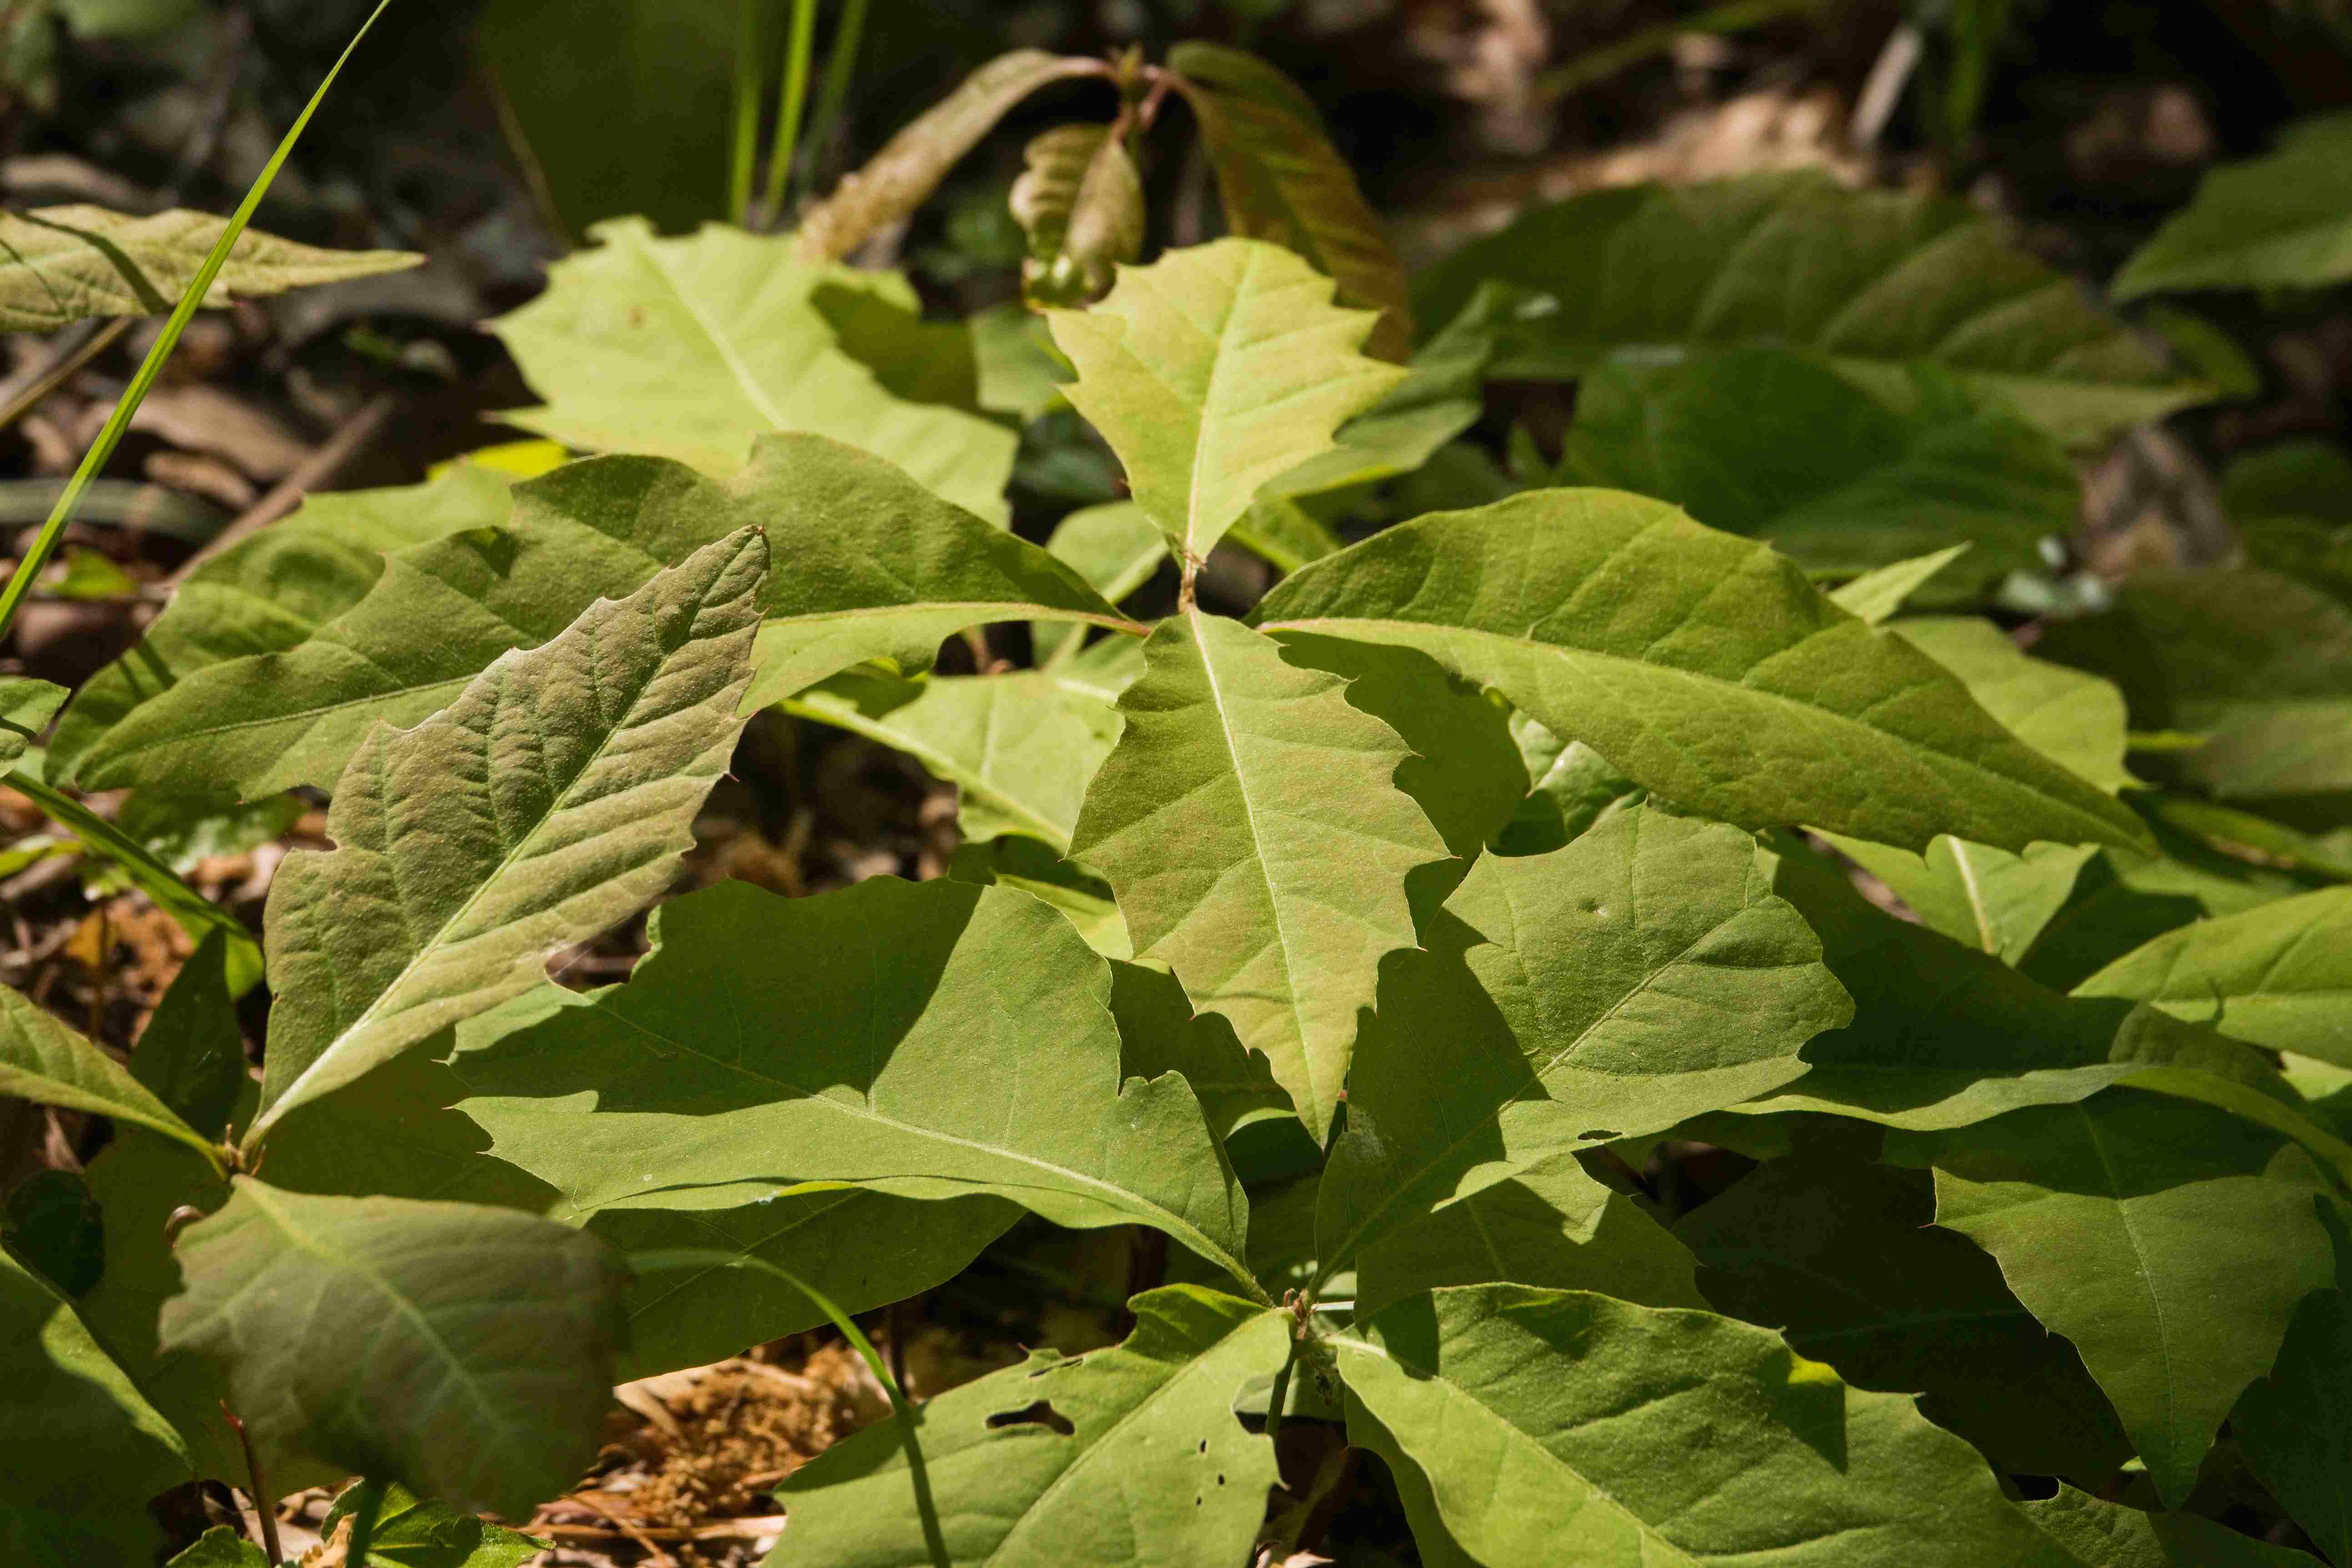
(1361, 945)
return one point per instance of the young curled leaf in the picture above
(1081, 203)
(911, 165)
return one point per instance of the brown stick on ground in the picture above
(317, 469)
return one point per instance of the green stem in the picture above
(926, 1506)
(1279, 1397)
(102, 449)
(363, 1517)
(840, 71)
(794, 101)
(748, 87)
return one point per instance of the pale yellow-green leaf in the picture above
(1215, 369)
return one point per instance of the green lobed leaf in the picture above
(1553, 1426)
(81, 1450)
(271, 592)
(2121, 900)
(905, 1055)
(1125, 1458)
(694, 347)
(2275, 221)
(1283, 180)
(395, 1133)
(549, 801)
(221, 1547)
(1778, 445)
(45, 1061)
(1017, 860)
(1873, 280)
(1840, 1255)
(1020, 746)
(2170, 1240)
(1213, 370)
(1250, 823)
(2294, 1425)
(1641, 975)
(71, 264)
(1704, 667)
(1570, 788)
(2110, 1535)
(2279, 975)
(26, 705)
(488, 1339)
(1552, 1225)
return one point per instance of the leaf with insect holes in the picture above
(694, 347)
(2280, 976)
(1872, 281)
(1129, 1457)
(1213, 371)
(70, 264)
(1250, 821)
(81, 1450)
(1641, 975)
(1556, 1425)
(551, 800)
(2171, 1242)
(912, 1058)
(1705, 666)
(488, 1339)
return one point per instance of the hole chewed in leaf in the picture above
(1041, 1414)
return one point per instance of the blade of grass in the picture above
(797, 52)
(20, 583)
(840, 71)
(196, 913)
(749, 84)
(710, 1258)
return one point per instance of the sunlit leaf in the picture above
(1213, 371)
(1641, 975)
(1081, 202)
(2277, 222)
(45, 1061)
(551, 800)
(2169, 1241)
(2111, 1535)
(65, 265)
(1250, 823)
(912, 1058)
(2279, 975)
(1125, 1458)
(1703, 665)
(1552, 1425)
(694, 347)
